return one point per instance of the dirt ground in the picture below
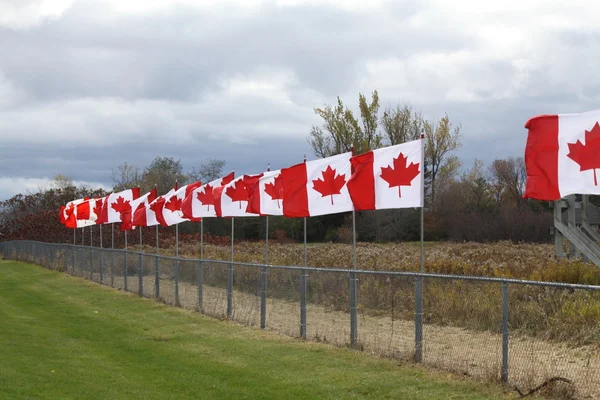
(471, 353)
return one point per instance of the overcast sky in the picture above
(86, 85)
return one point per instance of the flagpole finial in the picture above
(268, 166)
(305, 158)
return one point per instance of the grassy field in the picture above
(500, 259)
(62, 337)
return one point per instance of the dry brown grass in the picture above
(501, 259)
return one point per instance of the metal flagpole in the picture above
(112, 254)
(101, 258)
(91, 254)
(140, 267)
(230, 273)
(263, 275)
(125, 283)
(419, 279)
(200, 276)
(353, 310)
(303, 277)
(156, 271)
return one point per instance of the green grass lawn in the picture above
(66, 338)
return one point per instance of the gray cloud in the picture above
(86, 87)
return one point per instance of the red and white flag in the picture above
(167, 208)
(200, 203)
(117, 203)
(146, 212)
(88, 211)
(562, 155)
(231, 200)
(139, 209)
(79, 213)
(317, 187)
(390, 177)
(265, 193)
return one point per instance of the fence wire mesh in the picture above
(524, 332)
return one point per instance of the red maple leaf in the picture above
(238, 192)
(275, 189)
(98, 207)
(330, 184)
(206, 197)
(400, 174)
(121, 205)
(587, 155)
(174, 203)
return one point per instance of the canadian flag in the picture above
(317, 187)
(117, 203)
(69, 214)
(139, 209)
(390, 177)
(265, 193)
(87, 212)
(231, 200)
(200, 203)
(562, 155)
(167, 208)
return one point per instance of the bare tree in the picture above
(126, 176)
(163, 172)
(509, 175)
(440, 141)
(208, 170)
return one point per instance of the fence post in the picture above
(303, 278)
(504, 374)
(101, 266)
(156, 277)
(200, 285)
(263, 297)
(140, 274)
(353, 310)
(230, 290)
(125, 277)
(419, 319)
(177, 282)
(91, 264)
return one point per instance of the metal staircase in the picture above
(583, 238)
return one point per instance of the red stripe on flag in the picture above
(187, 212)
(541, 158)
(295, 193)
(361, 184)
(253, 190)
(217, 193)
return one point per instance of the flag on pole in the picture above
(140, 215)
(317, 187)
(116, 203)
(231, 200)
(200, 203)
(562, 155)
(77, 213)
(265, 193)
(168, 208)
(389, 177)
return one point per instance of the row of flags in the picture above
(390, 177)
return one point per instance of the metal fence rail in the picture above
(518, 332)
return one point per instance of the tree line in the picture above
(474, 203)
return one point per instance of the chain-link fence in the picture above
(524, 333)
